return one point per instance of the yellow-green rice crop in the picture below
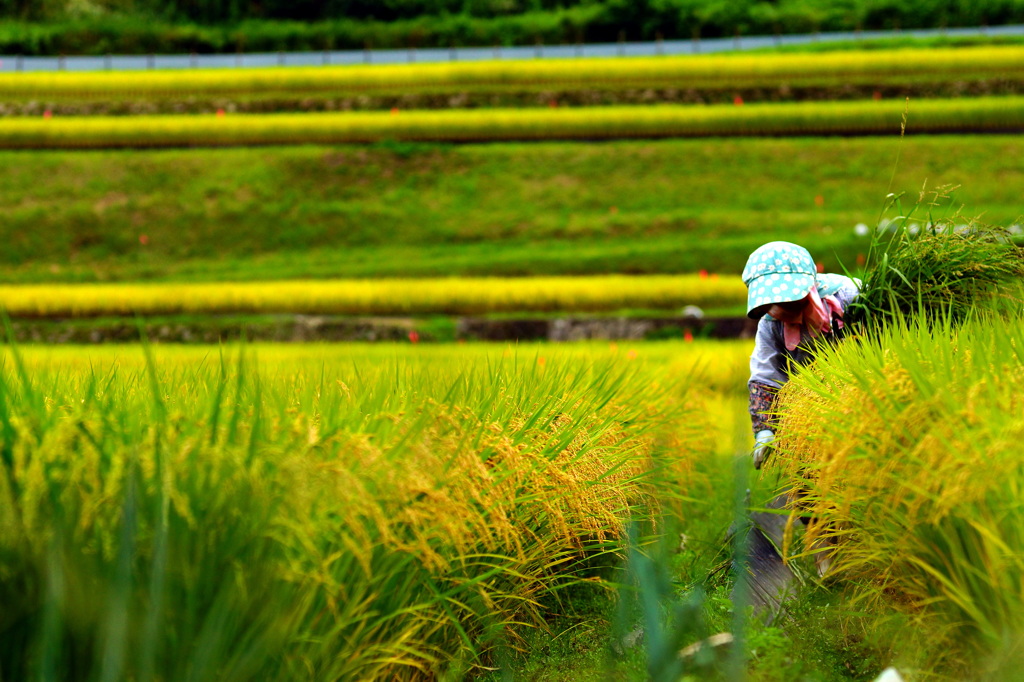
(881, 67)
(992, 114)
(327, 513)
(375, 297)
(908, 444)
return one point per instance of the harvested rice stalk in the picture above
(941, 268)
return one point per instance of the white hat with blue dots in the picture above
(777, 272)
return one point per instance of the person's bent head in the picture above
(780, 277)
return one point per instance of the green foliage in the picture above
(139, 26)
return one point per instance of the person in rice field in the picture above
(796, 307)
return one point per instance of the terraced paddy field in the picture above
(377, 297)
(949, 116)
(393, 510)
(412, 511)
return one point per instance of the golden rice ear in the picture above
(905, 446)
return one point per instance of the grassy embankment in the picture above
(421, 211)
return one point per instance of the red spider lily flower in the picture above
(414, 336)
(703, 274)
(143, 239)
(737, 100)
(47, 114)
(688, 336)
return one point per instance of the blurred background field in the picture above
(434, 507)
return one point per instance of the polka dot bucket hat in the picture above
(777, 272)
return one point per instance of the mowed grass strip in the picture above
(375, 297)
(714, 71)
(992, 114)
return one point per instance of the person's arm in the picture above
(848, 291)
(766, 373)
(762, 399)
(766, 377)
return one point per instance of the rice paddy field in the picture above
(923, 417)
(528, 511)
(978, 115)
(322, 512)
(378, 297)
(355, 512)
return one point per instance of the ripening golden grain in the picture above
(874, 67)
(983, 114)
(376, 297)
(907, 445)
(363, 512)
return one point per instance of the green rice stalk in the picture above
(908, 446)
(944, 267)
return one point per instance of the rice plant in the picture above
(941, 267)
(299, 514)
(454, 295)
(906, 447)
(990, 114)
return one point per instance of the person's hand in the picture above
(762, 447)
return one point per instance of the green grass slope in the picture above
(423, 210)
